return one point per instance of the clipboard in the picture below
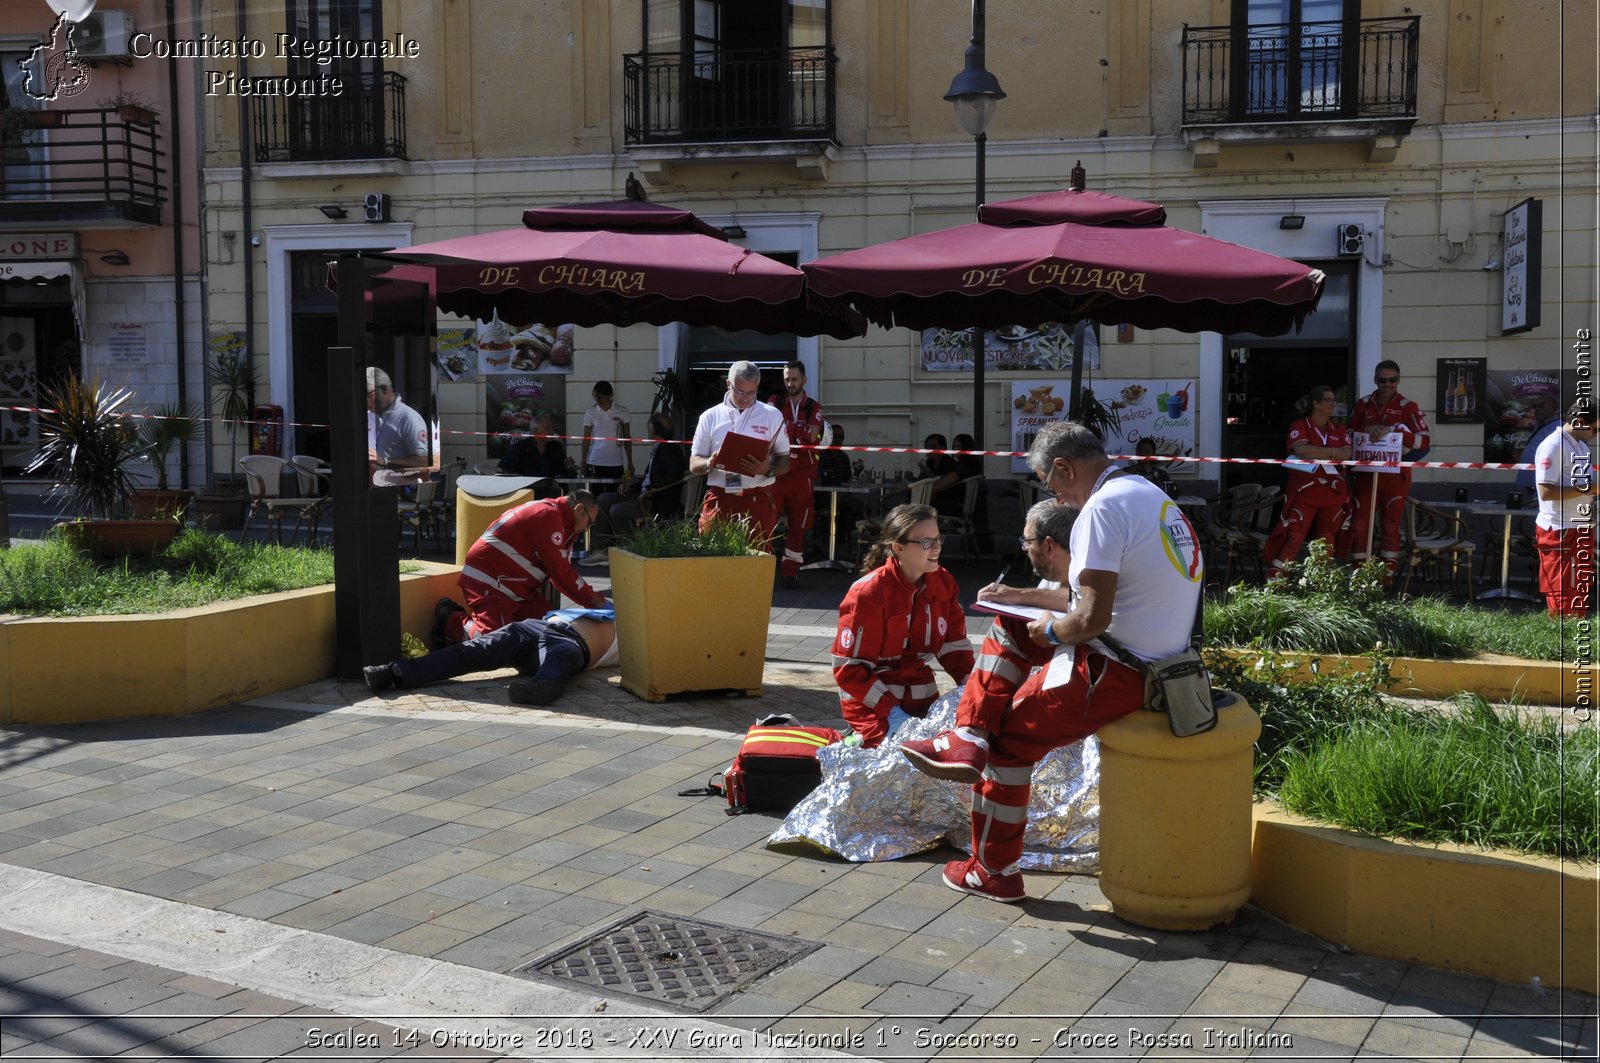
(735, 447)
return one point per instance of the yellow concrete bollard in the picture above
(1175, 818)
(474, 514)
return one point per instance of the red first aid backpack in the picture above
(776, 766)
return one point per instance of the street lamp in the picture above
(975, 92)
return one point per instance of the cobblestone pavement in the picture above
(374, 868)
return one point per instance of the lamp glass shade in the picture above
(975, 113)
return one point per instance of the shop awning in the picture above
(15, 274)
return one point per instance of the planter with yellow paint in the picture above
(77, 669)
(691, 623)
(1493, 913)
(1495, 678)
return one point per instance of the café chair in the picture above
(420, 514)
(1432, 539)
(963, 523)
(263, 475)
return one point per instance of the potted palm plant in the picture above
(90, 447)
(232, 378)
(164, 429)
(667, 570)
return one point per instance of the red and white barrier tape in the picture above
(1505, 466)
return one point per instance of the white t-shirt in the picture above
(612, 423)
(760, 420)
(1562, 460)
(1129, 526)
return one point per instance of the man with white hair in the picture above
(397, 436)
(746, 489)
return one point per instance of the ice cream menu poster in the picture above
(1162, 410)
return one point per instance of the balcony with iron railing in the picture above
(1302, 81)
(86, 167)
(733, 103)
(366, 121)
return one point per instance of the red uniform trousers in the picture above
(1025, 726)
(754, 503)
(1566, 569)
(1317, 507)
(1393, 489)
(489, 610)
(793, 496)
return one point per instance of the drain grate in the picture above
(678, 962)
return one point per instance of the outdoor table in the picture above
(1493, 509)
(880, 490)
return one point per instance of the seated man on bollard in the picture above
(508, 568)
(1135, 572)
(547, 651)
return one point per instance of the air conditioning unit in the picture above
(375, 206)
(104, 35)
(1351, 239)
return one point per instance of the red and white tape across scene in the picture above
(1505, 466)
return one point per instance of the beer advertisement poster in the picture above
(1462, 391)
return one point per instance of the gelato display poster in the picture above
(1159, 410)
(517, 402)
(1519, 402)
(1050, 348)
(537, 348)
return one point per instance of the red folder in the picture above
(736, 447)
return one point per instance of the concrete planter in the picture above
(1497, 914)
(171, 664)
(692, 623)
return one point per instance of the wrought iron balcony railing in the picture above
(1300, 72)
(730, 95)
(366, 121)
(80, 164)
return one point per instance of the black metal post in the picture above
(366, 520)
(978, 411)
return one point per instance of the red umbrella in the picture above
(1123, 268)
(620, 263)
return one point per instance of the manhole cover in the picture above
(681, 963)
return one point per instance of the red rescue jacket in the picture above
(526, 548)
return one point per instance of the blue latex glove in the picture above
(898, 718)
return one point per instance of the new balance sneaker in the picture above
(380, 677)
(968, 876)
(534, 691)
(443, 610)
(947, 756)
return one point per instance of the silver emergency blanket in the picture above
(873, 805)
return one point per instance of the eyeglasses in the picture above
(745, 394)
(1387, 379)
(927, 544)
(1024, 540)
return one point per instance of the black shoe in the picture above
(535, 691)
(791, 582)
(381, 677)
(443, 610)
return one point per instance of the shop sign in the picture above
(1519, 281)
(27, 247)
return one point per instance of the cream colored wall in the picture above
(517, 103)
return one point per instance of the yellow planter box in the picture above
(691, 623)
(1497, 679)
(1497, 914)
(77, 669)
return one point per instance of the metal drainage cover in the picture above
(678, 962)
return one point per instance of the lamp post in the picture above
(975, 92)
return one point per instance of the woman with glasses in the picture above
(903, 612)
(1316, 501)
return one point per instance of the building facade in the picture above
(100, 263)
(1388, 144)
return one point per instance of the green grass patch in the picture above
(1322, 607)
(1475, 777)
(51, 578)
(1337, 750)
